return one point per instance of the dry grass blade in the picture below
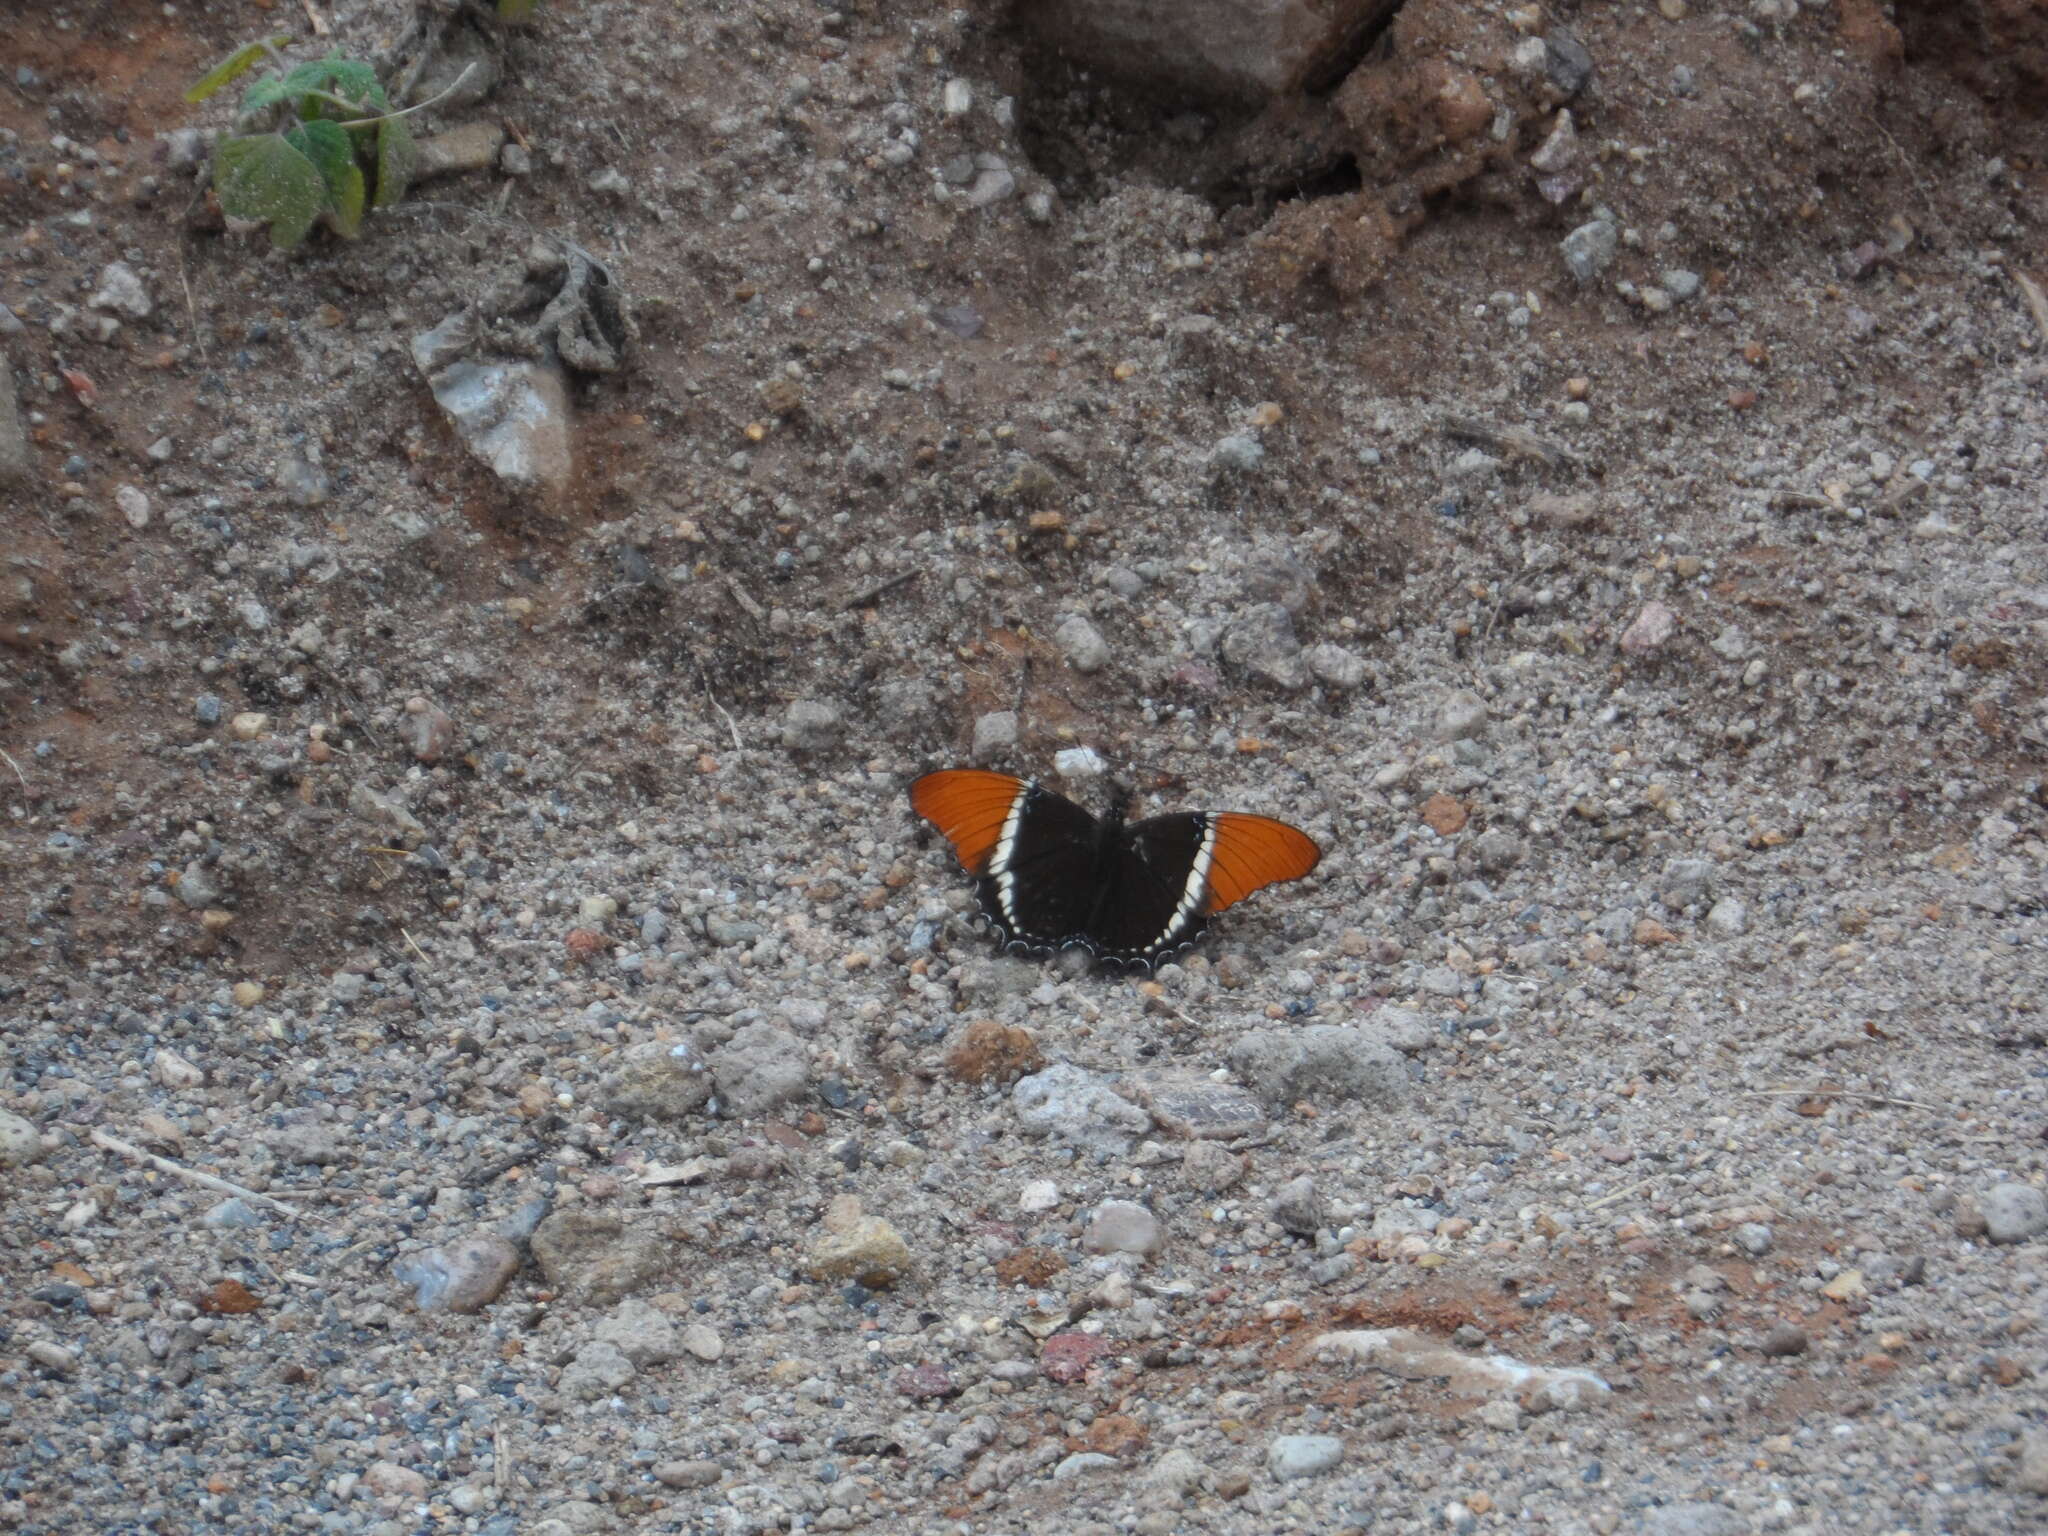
(190, 1175)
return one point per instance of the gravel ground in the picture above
(485, 1047)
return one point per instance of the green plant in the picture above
(333, 146)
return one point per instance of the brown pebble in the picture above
(1444, 814)
(990, 1051)
(1115, 1434)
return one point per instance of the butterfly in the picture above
(1050, 875)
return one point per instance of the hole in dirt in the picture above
(1091, 134)
(1336, 180)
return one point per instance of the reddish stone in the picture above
(1066, 1357)
(925, 1380)
(989, 1051)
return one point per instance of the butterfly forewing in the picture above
(970, 807)
(1252, 852)
(1033, 852)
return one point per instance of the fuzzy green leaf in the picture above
(263, 177)
(512, 12)
(349, 194)
(328, 146)
(396, 157)
(240, 62)
(312, 75)
(355, 80)
(267, 92)
(325, 144)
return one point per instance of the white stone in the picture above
(1292, 1456)
(1123, 1226)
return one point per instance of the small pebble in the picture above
(1296, 1456)
(1785, 1339)
(1123, 1226)
(2013, 1213)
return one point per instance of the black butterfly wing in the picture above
(1169, 874)
(1041, 874)
(1032, 852)
(1151, 903)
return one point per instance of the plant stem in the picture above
(448, 90)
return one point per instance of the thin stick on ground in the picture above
(17, 770)
(730, 723)
(414, 947)
(1840, 1093)
(191, 308)
(1622, 1194)
(2037, 300)
(189, 1175)
(877, 592)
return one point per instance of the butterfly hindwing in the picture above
(1151, 902)
(1041, 876)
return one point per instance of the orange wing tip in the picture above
(969, 807)
(1253, 852)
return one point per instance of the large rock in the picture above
(15, 462)
(599, 1369)
(641, 1332)
(593, 1258)
(760, 1068)
(513, 415)
(20, 1143)
(1077, 1107)
(1248, 49)
(1324, 1063)
(463, 1276)
(2014, 1212)
(658, 1080)
(865, 1249)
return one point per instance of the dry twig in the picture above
(1839, 1093)
(1517, 441)
(1622, 1194)
(189, 1175)
(2037, 301)
(877, 592)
